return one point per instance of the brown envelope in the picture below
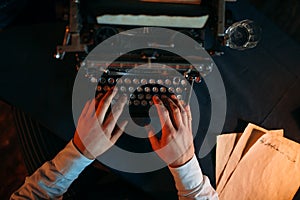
(269, 170)
(225, 146)
(232, 147)
(251, 133)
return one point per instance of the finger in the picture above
(91, 109)
(98, 98)
(189, 116)
(182, 109)
(116, 111)
(174, 112)
(104, 104)
(152, 138)
(118, 131)
(163, 113)
(177, 102)
(86, 108)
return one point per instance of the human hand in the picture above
(96, 133)
(175, 146)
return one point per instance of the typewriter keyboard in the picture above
(141, 90)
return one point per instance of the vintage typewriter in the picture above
(136, 73)
(142, 77)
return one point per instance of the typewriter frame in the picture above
(77, 40)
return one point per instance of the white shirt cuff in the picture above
(188, 176)
(70, 162)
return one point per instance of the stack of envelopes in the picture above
(257, 164)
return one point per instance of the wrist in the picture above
(185, 158)
(81, 148)
(180, 162)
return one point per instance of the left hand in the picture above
(95, 134)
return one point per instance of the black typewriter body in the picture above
(134, 72)
(141, 77)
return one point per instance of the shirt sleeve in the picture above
(191, 183)
(54, 177)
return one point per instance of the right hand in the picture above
(176, 144)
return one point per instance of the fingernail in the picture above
(125, 123)
(114, 90)
(173, 96)
(163, 96)
(155, 98)
(187, 107)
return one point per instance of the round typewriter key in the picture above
(127, 81)
(150, 103)
(201, 67)
(148, 96)
(178, 90)
(152, 81)
(183, 82)
(143, 81)
(123, 89)
(198, 79)
(129, 102)
(131, 89)
(111, 80)
(99, 88)
(119, 81)
(98, 96)
(140, 96)
(160, 82)
(144, 103)
(139, 89)
(147, 89)
(209, 67)
(163, 90)
(93, 79)
(102, 80)
(155, 89)
(106, 88)
(136, 81)
(176, 80)
(171, 89)
(179, 97)
(132, 96)
(168, 82)
(136, 102)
